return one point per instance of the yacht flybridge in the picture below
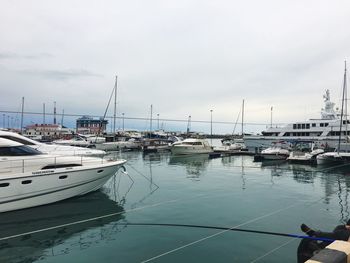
(324, 131)
(30, 178)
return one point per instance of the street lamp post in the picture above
(158, 121)
(123, 120)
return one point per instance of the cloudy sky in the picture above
(185, 57)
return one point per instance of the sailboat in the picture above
(232, 144)
(338, 156)
(123, 143)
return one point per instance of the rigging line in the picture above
(273, 250)
(104, 115)
(142, 175)
(87, 220)
(216, 234)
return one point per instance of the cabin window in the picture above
(4, 184)
(54, 166)
(287, 134)
(321, 125)
(62, 176)
(326, 124)
(294, 126)
(314, 125)
(299, 126)
(308, 126)
(18, 151)
(303, 126)
(27, 182)
(294, 134)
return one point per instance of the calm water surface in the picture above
(229, 192)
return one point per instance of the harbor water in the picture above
(232, 192)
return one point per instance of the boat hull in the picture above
(31, 189)
(183, 150)
(274, 156)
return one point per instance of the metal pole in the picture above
(115, 103)
(242, 118)
(123, 120)
(22, 115)
(8, 121)
(3, 121)
(62, 117)
(271, 117)
(54, 112)
(150, 125)
(43, 113)
(211, 126)
(158, 121)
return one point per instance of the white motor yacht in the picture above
(304, 152)
(304, 157)
(324, 130)
(76, 141)
(51, 148)
(191, 146)
(333, 158)
(230, 145)
(130, 144)
(30, 178)
(279, 151)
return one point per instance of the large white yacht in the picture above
(324, 131)
(30, 178)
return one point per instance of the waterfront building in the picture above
(89, 125)
(47, 131)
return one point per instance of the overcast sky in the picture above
(185, 57)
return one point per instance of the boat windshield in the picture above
(21, 150)
(16, 139)
(191, 143)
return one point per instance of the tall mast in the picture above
(54, 112)
(150, 125)
(115, 103)
(43, 113)
(242, 117)
(22, 115)
(62, 117)
(342, 108)
(271, 117)
(189, 124)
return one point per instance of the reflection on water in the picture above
(31, 247)
(322, 192)
(194, 164)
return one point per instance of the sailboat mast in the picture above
(242, 117)
(150, 125)
(342, 108)
(22, 115)
(115, 103)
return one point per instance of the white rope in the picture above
(216, 234)
(273, 250)
(88, 220)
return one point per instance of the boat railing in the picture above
(35, 164)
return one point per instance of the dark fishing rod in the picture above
(230, 229)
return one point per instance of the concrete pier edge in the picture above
(337, 252)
